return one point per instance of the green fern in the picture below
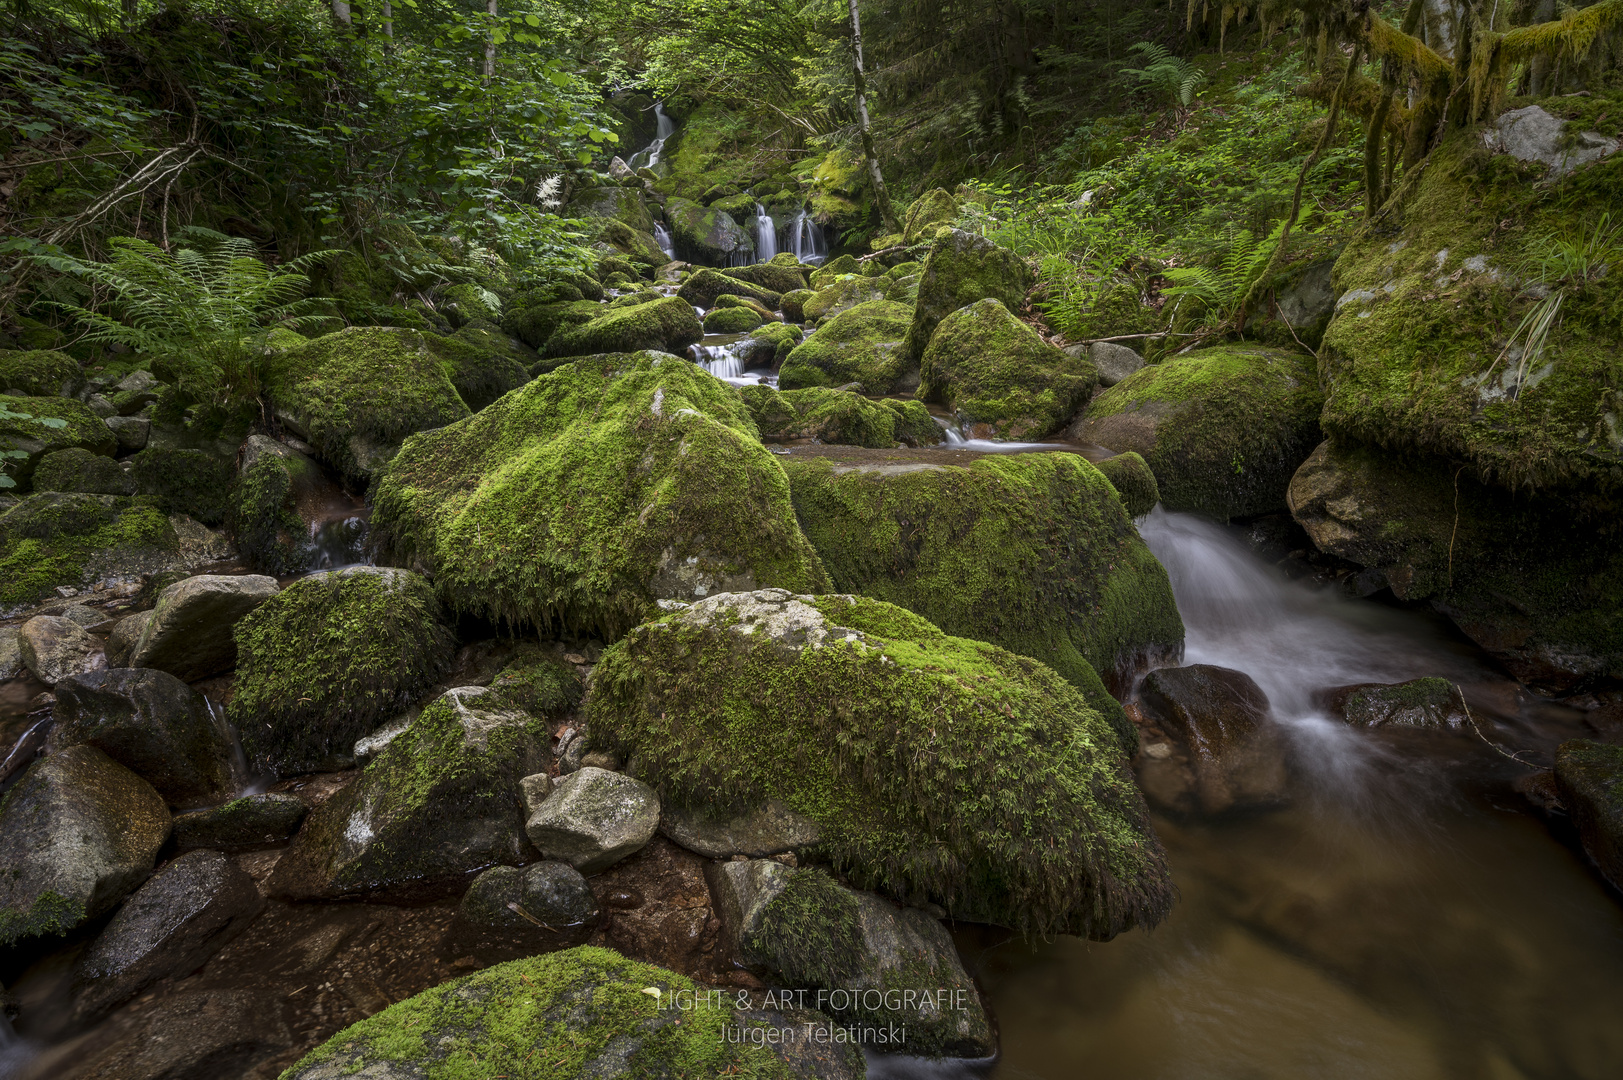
(1218, 290)
(1172, 76)
(195, 307)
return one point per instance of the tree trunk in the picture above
(388, 25)
(490, 42)
(340, 14)
(881, 196)
(1539, 78)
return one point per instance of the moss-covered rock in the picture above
(194, 482)
(706, 234)
(1033, 552)
(639, 246)
(1133, 480)
(961, 269)
(667, 325)
(1414, 357)
(929, 212)
(704, 286)
(623, 204)
(331, 658)
(1589, 776)
(793, 304)
(37, 372)
(839, 416)
(840, 295)
(938, 768)
(23, 427)
(1114, 307)
(774, 277)
(861, 345)
(484, 364)
(466, 302)
(585, 1012)
(592, 492)
(438, 804)
(263, 514)
(60, 538)
(535, 325)
(770, 344)
(1535, 581)
(607, 265)
(354, 395)
(641, 296)
(1002, 380)
(834, 269)
(840, 188)
(731, 320)
(1223, 428)
(75, 469)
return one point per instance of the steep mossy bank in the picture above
(585, 496)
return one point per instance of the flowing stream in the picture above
(648, 156)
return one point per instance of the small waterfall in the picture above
(648, 156)
(766, 235)
(662, 236)
(722, 361)
(805, 238)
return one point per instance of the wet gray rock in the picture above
(1226, 753)
(1114, 362)
(267, 818)
(151, 723)
(1416, 705)
(53, 648)
(132, 432)
(83, 614)
(1532, 134)
(11, 652)
(534, 790)
(182, 916)
(189, 633)
(769, 829)
(550, 892)
(594, 818)
(1589, 776)
(78, 833)
(867, 960)
(1307, 303)
(126, 633)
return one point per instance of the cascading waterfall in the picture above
(662, 236)
(648, 156)
(805, 238)
(766, 235)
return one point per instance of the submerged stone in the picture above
(1232, 754)
(1418, 705)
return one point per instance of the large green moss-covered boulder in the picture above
(834, 269)
(731, 320)
(667, 325)
(1414, 358)
(331, 658)
(182, 480)
(706, 234)
(961, 269)
(440, 802)
(929, 212)
(937, 768)
(638, 246)
(1002, 380)
(355, 394)
(1033, 552)
(1533, 579)
(38, 372)
(773, 276)
(1223, 428)
(36, 426)
(840, 416)
(704, 287)
(862, 345)
(73, 539)
(75, 469)
(486, 364)
(535, 324)
(841, 295)
(592, 492)
(585, 1013)
(770, 344)
(623, 204)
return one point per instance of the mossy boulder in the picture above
(938, 768)
(1111, 307)
(667, 325)
(1002, 380)
(1414, 358)
(608, 265)
(438, 804)
(1223, 428)
(1533, 580)
(466, 302)
(834, 269)
(793, 304)
(534, 325)
(770, 344)
(706, 234)
(639, 246)
(1033, 552)
(1133, 480)
(774, 277)
(861, 345)
(331, 658)
(961, 269)
(585, 1012)
(37, 372)
(592, 492)
(76, 469)
(263, 516)
(839, 295)
(484, 364)
(840, 188)
(24, 428)
(839, 416)
(181, 480)
(930, 211)
(355, 394)
(731, 320)
(61, 538)
(705, 286)
(623, 204)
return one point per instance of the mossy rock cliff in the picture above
(590, 493)
(937, 768)
(1223, 428)
(861, 345)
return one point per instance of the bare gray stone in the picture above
(189, 633)
(53, 648)
(594, 818)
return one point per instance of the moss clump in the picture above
(464, 303)
(1223, 429)
(81, 428)
(667, 325)
(592, 491)
(705, 286)
(862, 345)
(937, 767)
(793, 304)
(609, 265)
(839, 416)
(37, 372)
(833, 270)
(812, 932)
(80, 470)
(771, 343)
(997, 374)
(773, 277)
(331, 658)
(60, 538)
(539, 681)
(1411, 360)
(961, 269)
(929, 211)
(1033, 552)
(1113, 308)
(535, 325)
(583, 1011)
(732, 320)
(1133, 480)
(354, 395)
(841, 295)
(196, 483)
